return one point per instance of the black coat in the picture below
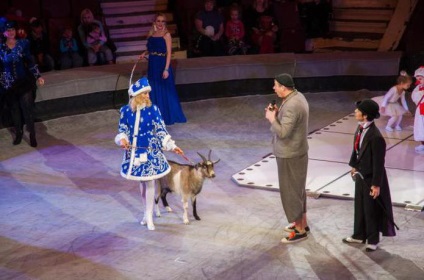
(370, 163)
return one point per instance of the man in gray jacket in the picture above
(289, 125)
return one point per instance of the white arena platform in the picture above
(328, 170)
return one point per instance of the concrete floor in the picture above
(67, 214)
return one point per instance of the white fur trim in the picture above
(119, 137)
(135, 93)
(134, 141)
(419, 72)
(137, 178)
(168, 144)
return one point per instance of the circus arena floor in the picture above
(66, 213)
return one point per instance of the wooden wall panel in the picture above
(365, 3)
(413, 39)
(56, 9)
(29, 8)
(51, 8)
(3, 7)
(185, 11)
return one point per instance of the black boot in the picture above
(18, 138)
(32, 140)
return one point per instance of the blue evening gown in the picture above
(164, 94)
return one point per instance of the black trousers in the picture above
(21, 107)
(208, 47)
(367, 213)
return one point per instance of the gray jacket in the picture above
(290, 129)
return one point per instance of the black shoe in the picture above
(291, 227)
(18, 138)
(32, 140)
(294, 236)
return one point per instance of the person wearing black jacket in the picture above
(373, 205)
(18, 81)
(40, 46)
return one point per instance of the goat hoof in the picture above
(169, 209)
(197, 218)
(150, 226)
(157, 214)
(143, 222)
(186, 222)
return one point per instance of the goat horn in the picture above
(209, 155)
(203, 158)
(215, 162)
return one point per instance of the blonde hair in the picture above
(86, 12)
(403, 78)
(153, 28)
(141, 99)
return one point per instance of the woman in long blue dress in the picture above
(164, 94)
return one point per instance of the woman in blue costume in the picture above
(164, 94)
(18, 79)
(143, 135)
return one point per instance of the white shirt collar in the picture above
(366, 124)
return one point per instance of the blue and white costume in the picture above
(143, 134)
(146, 133)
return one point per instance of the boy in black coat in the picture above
(373, 205)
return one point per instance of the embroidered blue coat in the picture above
(147, 134)
(14, 63)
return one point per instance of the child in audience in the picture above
(390, 105)
(418, 98)
(96, 36)
(96, 39)
(234, 31)
(69, 50)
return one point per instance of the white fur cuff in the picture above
(168, 144)
(119, 137)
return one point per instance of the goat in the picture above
(187, 181)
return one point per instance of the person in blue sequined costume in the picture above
(160, 74)
(143, 135)
(18, 81)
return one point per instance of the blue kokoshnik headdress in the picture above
(140, 86)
